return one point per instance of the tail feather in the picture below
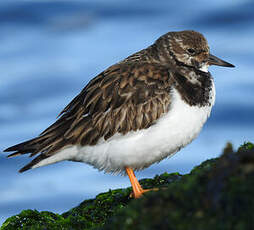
(36, 146)
(50, 141)
(23, 147)
(15, 154)
(33, 163)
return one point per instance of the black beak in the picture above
(217, 61)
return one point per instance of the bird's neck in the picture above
(195, 86)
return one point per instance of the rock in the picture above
(218, 194)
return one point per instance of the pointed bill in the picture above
(213, 60)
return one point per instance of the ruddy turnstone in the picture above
(135, 113)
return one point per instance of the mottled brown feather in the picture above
(125, 97)
(129, 96)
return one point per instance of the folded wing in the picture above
(125, 97)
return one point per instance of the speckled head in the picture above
(189, 48)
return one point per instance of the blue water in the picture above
(50, 50)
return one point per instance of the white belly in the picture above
(142, 148)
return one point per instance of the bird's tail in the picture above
(50, 141)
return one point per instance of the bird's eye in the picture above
(191, 51)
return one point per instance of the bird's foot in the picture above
(137, 190)
(137, 194)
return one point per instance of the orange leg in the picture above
(136, 187)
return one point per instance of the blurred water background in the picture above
(49, 50)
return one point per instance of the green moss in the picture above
(246, 146)
(218, 194)
(89, 214)
(32, 219)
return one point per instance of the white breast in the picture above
(142, 148)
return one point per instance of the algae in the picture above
(218, 194)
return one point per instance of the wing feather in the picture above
(126, 97)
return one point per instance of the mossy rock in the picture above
(32, 219)
(88, 215)
(218, 194)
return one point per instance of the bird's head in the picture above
(189, 48)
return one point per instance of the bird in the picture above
(136, 112)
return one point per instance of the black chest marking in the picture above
(195, 92)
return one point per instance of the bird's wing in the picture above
(125, 97)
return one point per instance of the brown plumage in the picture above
(125, 97)
(129, 96)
